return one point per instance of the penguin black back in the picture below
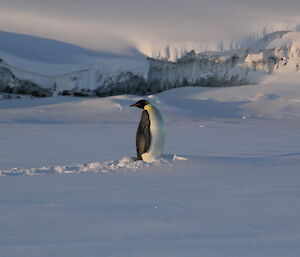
(143, 135)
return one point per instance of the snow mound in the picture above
(126, 164)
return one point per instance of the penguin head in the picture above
(140, 104)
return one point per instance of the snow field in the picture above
(227, 186)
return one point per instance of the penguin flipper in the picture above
(143, 136)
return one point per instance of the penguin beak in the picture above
(133, 105)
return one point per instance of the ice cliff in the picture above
(275, 52)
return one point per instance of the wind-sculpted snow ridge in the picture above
(127, 164)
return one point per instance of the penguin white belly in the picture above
(157, 130)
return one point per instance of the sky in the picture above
(116, 25)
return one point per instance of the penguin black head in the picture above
(140, 104)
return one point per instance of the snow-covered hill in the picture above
(90, 73)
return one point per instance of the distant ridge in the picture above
(49, 50)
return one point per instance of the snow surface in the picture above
(227, 187)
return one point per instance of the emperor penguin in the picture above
(150, 136)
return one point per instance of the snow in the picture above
(49, 51)
(125, 164)
(228, 184)
(47, 62)
(290, 39)
(95, 73)
(176, 50)
(277, 52)
(88, 75)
